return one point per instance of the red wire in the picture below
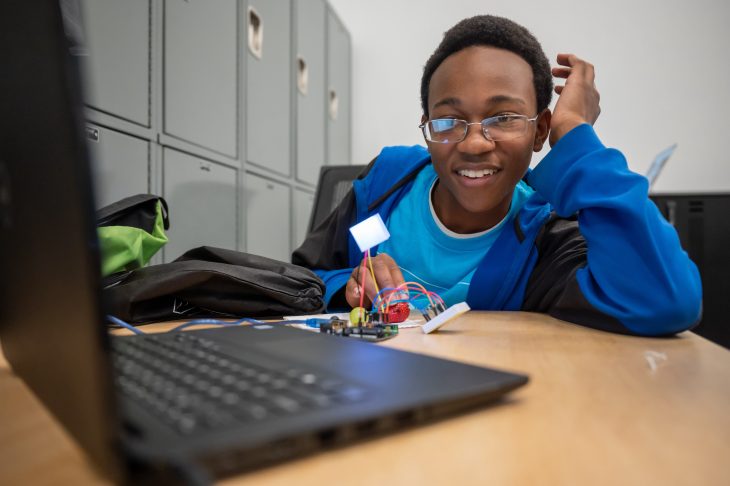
(411, 287)
(363, 271)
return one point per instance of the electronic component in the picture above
(370, 329)
(443, 317)
(398, 312)
(373, 332)
(370, 232)
(433, 310)
(358, 316)
(395, 314)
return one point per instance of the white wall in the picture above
(663, 71)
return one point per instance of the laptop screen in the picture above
(658, 164)
(49, 302)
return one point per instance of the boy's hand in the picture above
(578, 101)
(387, 274)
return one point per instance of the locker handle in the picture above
(672, 212)
(334, 105)
(92, 133)
(255, 33)
(205, 167)
(302, 76)
(269, 186)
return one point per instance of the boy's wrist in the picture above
(563, 127)
(549, 176)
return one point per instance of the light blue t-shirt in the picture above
(429, 253)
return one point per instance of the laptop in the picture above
(658, 164)
(186, 406)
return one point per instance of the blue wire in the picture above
(419, 300)
(216, 322)
(373, 308)
(196, 322)
(123, 324)
(293, 321)
(411, 299)
(312, 322)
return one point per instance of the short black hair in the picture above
(492, 31)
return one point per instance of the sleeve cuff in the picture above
(577, 143)
(334, 281)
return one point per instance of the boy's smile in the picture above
(477, 176)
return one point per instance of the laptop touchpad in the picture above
(330, 351)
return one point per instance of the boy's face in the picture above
(473, 84)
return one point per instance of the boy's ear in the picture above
(543, 129)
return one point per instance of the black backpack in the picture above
(209, 281)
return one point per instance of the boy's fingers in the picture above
(566, 59)
(394, 269)
(382, 271)
(574, 63)
(353, 288)
(561, 72)
(352, 291)
(370, 290)
(386, 272)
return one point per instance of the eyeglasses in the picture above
(496, 128)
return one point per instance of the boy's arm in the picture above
(325, 250)
(621, 267)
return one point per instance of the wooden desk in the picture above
(599, 409)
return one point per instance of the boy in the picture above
(577, 237)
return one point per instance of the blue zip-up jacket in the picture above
(588, 247)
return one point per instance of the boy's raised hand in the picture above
(578, 100)
(387, 274)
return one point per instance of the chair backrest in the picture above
(334, 182)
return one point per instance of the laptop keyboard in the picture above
(192, 385)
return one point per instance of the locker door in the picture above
(201, 73)
(202, 200)
(310, 83)
(267, 206)
(118, 42)
(268, 85)
(303, 202)
(338, 92)
(120, 163)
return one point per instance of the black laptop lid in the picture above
(50, 313)
(50, 271)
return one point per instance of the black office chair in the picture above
(334, 182)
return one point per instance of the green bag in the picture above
(131, 231)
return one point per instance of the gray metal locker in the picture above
(200, 60)
(118, 42)
(338, 92)
(303, 203)
(202, 199)
(268, 85)
(120, 162)
(267, 206)
(310, 81)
